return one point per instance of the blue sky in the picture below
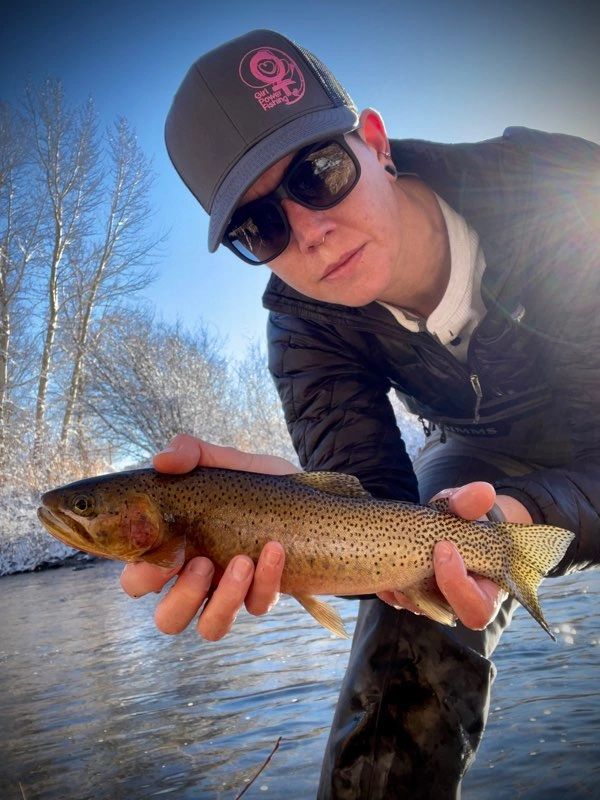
(447, 71)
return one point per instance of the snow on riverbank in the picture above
(24, 543)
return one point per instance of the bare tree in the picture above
(75, 242)
(20, 216)
(152, 380)
(263, 426)
(116, 264)
(64, 147)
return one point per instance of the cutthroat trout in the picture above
(338, 539)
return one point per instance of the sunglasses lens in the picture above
(323, 177)
(320, 177)
(258, 231)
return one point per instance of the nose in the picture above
(309, 227)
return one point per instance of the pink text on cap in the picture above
(274, 74)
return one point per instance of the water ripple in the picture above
(101, 706)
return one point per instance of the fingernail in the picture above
(202, 567)
(443, 553)
(273, 557)
(169, 449)
(241, 569)
(462, 490)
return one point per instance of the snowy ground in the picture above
(24, 543)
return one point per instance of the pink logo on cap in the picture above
(275, 75)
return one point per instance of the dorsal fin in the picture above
(331, 482)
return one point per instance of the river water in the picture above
(95, 703)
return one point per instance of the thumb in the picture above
(182, 455)
(473, 500)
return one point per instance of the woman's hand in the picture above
(241, 583)
(474, 599)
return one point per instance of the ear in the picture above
(372, 131)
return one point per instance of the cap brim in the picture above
(296, 134)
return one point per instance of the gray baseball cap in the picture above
(241, 108)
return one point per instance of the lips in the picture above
(338, 266)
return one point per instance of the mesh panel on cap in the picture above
(330, 83)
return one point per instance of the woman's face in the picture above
(355, 252)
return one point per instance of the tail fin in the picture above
(533, 552)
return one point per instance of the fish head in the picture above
(105, 516)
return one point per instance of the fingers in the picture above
(474, 600)
(258, 588)
(140, 578)
(183, 600)
(264, 591)
(182, 455)
(186, 452)
(240, 583)
(471, 501)
(223, 607)
(399, 601)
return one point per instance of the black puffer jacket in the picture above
(532, 382)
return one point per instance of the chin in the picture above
(358, 302)
(353, 296)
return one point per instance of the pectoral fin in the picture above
(170, 554)
(428, 598)
(323, 613)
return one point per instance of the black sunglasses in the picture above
(319, 177)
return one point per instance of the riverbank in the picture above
(24, 544)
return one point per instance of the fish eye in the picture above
(83, 505)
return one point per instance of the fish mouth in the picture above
(67, 530)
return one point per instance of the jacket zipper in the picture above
(475, 385)
(474, 378)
